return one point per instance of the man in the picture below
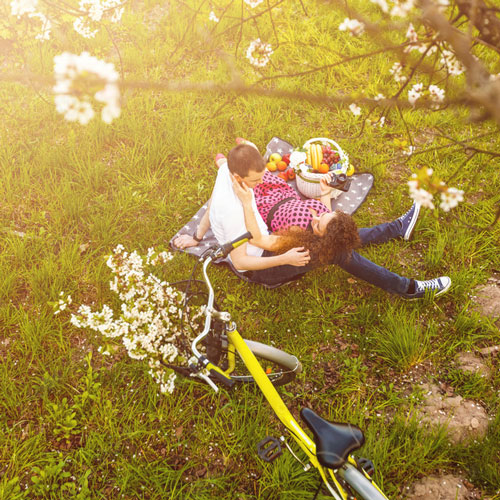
(225, 216)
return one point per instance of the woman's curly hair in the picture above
(340, 239)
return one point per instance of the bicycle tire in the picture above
(360, 484)
(281, 367)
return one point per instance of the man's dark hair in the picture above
(244, 158)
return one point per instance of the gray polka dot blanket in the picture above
(348, 202)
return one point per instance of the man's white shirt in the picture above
(227, 218)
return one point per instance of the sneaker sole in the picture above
(409, 229)
(444, 290)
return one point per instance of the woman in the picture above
(299, 223)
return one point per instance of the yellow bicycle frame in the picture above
(279, 407)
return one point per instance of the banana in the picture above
(315, 156)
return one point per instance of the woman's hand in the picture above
(325, 189)
(243, 192)
(297, 257)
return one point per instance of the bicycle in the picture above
(330, 449)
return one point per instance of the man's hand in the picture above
(185, 241)
(243, 192)
(325, 189)
(297, 257)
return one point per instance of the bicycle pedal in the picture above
(269, 449)
(366, 465)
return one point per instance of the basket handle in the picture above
(341, 152)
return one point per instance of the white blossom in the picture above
(253, 3)
(451, 198)
(423, 197)
(397, 72)
(67, 68)
(354, 26)
(436, 94)
(355, 109)
(379, 97)
(20, 7)
(213, 17)
(259, 53)
(451, 63)
(415, 93)
(402, 9)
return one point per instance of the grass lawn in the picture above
(76, 424)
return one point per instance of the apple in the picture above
(281, 165)
(275, 157)
(290, 174)
(271, 166)
(286, 159)
(283, 176)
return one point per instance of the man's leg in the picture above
(366, 270)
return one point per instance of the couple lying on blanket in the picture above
(304, 233)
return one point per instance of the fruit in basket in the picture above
(315, 155)
(275, 157)
(281, 165)
(323, 168)
(271, 166)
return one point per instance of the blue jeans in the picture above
(366, 270)
(356, 265)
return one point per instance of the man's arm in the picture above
(244, 193)
(187, 240)
(295, 257)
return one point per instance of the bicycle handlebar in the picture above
(224, 250)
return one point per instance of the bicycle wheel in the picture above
(280, 367)
(362, 487)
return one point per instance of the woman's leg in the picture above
(374, 274)
(399, 228)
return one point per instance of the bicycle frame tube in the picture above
(281, 410)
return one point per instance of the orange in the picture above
(271, 166)
(281, 165)
(323, 168)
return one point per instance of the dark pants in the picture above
(357, 265)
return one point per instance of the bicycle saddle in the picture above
(334, 442)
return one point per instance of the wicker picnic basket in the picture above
(308, 182)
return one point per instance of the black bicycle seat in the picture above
(334, 441)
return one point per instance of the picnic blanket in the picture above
(347, 202)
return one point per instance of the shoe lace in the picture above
(433, 284)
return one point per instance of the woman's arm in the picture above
(244, 193)
(325, 196)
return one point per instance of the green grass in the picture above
(69, 194)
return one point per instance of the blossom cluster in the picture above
(94, 11)
(150, 321)
(259, 53)
(354, 26)
(253, 3)
(434, 93)
(28, 8)
(423, 186)
(78, 74)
